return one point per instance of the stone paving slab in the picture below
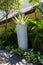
(7, 58)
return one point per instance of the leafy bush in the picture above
(31, 55)
(35, 33)
(8, 40)
(34, 56)
(18, 51)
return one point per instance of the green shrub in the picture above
(31, 55)
(34, 56)
(35, 33)
(8, 39)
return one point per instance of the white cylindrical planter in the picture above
(22, 36)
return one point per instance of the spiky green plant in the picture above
(21, 19)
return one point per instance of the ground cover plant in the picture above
(36, 57)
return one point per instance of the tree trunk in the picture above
(6, 19)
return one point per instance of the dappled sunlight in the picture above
(4, 57)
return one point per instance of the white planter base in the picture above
(22, 36)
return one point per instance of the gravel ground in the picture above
(7, 58)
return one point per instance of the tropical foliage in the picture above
(9, 4)
(40, 7)
(21, 19)
(34, 1)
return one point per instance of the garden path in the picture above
(8, 58)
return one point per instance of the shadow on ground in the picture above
(7, 58)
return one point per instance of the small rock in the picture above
(29, 63)
(17, 63)
(24, 61)
(20, 63)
